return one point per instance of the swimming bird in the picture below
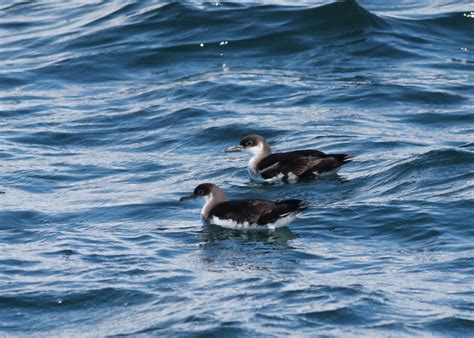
(290, 166)
(244, 214)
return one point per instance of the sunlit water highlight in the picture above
(111, 111)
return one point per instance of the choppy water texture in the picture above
(112, 110)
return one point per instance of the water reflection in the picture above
(227, 250)
(212, 233)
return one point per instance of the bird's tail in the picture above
(293, 206)
(343, 158)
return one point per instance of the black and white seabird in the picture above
(244, 214)
(289, 166)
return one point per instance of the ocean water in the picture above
(110, 111)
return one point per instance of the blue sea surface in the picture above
(112, 110)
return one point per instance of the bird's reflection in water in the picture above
(333, 176)
(212, 233)
(231, 250)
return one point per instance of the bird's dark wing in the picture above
(325, 164)
(282, 209)
(278, 157)
(260, 212)
(307, 153)
(283, 163)
(242, 210)
(300, 163)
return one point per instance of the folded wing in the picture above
(300, 163)
(256, 211)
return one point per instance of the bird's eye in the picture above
(200, 192)
(248, 144)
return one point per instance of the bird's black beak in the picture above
(233, 149)
(185, 198)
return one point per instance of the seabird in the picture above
(289, 166)
(244, 214)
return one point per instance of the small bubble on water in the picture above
(201, 45)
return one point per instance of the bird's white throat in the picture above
(215, 197)
(259, 152)
(208, 205)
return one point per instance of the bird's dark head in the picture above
(254, 144)
(202, 190)
(252, 141)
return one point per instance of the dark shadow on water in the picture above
(333, 176)
(212, 233)
(251, 251)
(328, 177)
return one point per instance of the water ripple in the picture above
(112, 111)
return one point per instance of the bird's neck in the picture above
(215, 198)
(258, 155)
